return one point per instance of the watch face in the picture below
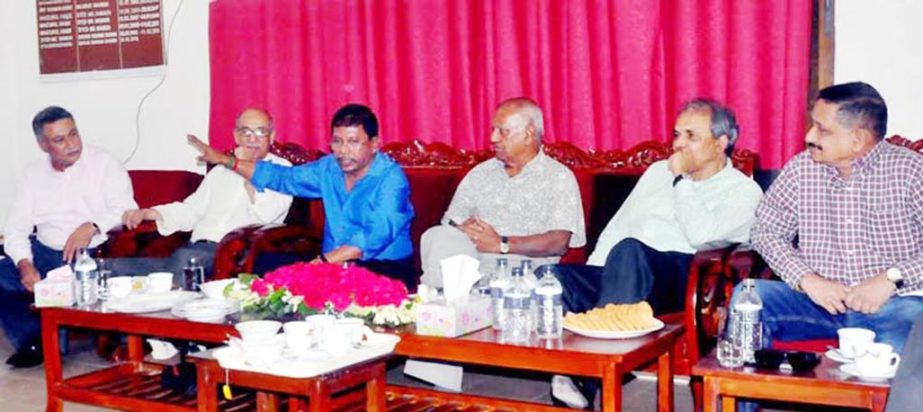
(894, 274)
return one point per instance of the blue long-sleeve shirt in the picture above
(374, 216)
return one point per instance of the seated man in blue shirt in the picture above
(365, 193)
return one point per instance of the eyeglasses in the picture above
(259, 132)
(350, 144)
(505, 131)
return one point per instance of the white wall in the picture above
(878, 42)
(105, 106)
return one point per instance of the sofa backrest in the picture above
(156, 187)
(434, 170)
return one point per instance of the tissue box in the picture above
(53, 292)
(436, 318)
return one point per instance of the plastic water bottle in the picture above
(193, 275)
(532, 282)
(517, 303)
(746, 326)
(87, 283)
(549, 306)
(498, 283)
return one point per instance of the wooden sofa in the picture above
(435, 169)
(605, 179)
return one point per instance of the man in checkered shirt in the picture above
(842, 226)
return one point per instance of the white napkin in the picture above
(459, 274)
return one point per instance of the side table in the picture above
(825, 385)
(318, 390)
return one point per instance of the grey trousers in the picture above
(444, 241)
(203, 251)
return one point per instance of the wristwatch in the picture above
(895, 276)
(504, 245)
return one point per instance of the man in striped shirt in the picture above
(842, 226)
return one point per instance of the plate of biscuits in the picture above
(614, 321)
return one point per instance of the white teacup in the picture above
(337, 339)
(257, 331)
(299, 336)
(119, 287)
(159, 282)
(320, 322)
(876, 359)
(357, 326)
(849, 338)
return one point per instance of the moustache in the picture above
(813, 146)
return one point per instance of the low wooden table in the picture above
(607, 360)
(825, 385)
(319, 389)
(130, 385)
(135, 384)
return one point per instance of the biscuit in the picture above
(612, 317)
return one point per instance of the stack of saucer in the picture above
(206, 310)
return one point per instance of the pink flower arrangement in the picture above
(309, 288)
(321, 283)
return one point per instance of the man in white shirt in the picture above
(70, 199)
(695, 200)
(223, 202)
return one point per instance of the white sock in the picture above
(564, 389)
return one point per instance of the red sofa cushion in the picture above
(816, 345)
(156, 187)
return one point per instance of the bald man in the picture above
(522, 204)
(223, 202)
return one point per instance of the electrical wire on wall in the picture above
(154, 89)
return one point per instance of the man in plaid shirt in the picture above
(842, 226)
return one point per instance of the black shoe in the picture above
(26, 357)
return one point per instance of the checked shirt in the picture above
(847, 230)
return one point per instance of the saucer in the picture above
(837, 356)
(851, 369)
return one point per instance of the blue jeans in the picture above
(20, 323)
(789, 315)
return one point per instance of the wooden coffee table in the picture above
(130, 385)
(607, 360)
(319, 390)
(135, 384)
(825, 385)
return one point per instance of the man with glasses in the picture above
(519, 205)
(223, 202)
(365, 193)
(65, 201)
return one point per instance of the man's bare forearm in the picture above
(552, 243)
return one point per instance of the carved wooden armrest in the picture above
(142, 241)
(239, 249)
(707, 291)
(745, 263)
(232, 250)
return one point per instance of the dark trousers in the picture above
(402, 269)
(633, 272)
(203, 251)
(21, 324)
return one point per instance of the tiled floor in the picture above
(23, 390)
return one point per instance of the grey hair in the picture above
(530, 111)
(723, 122)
